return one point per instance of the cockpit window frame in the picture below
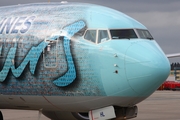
(97, 35)
(151, 37)
(90, 40)
(109, 36)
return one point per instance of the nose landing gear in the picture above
(1, 116)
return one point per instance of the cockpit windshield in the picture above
(123, 34)
(144, 34)
(98, 36)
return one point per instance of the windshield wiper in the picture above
(150, 38)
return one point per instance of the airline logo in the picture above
(15, 25)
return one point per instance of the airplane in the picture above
(77, 61)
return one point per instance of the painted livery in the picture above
(71, 58)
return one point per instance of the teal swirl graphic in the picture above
(70, 75)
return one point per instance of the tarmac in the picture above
(162, 105)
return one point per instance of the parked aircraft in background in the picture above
(77, 61)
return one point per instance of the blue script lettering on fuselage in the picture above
(36, 52)
(16, 25)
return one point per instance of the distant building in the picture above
(175, 71)
(173, 81)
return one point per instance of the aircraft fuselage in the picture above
(75, 57)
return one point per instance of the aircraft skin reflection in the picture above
(76, 57)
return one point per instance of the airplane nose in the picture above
(146, 66)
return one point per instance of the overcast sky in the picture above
(161, 17)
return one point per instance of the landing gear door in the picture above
(106, 113)
(50, 54)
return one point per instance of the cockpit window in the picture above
(123, 34)
(98, 36)
(90, 35)
(144, 34)
(103, 36)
